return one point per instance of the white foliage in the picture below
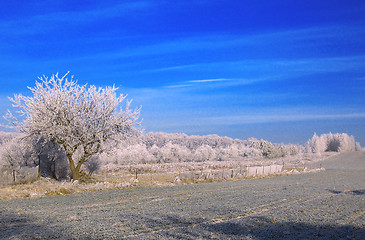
(339, 142)
(176, 148)
(79, 118)
(204, 153)
(16, 153)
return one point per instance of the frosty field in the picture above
(325, 205)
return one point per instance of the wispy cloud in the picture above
(288, 117)
(40, 23)
(173, 68)
(215, 82)
(193, 121)
(221, 41)
(170, 45)
(272, 69)
(198, 83)
(210, 80)
(179, 86)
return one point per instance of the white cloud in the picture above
(210, 80)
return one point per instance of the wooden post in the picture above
(14, 175)
(39, 167)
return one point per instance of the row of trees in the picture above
(168, 148)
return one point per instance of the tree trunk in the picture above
(74, 170)
(39, 172)
(39, 166)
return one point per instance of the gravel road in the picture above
(323, 205)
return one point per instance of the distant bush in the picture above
(271, 150)
(339, 142)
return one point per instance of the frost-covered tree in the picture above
(78, 118)
(338, 142)
(13, 154)
(317, 144)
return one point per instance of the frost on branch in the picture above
(78, 118)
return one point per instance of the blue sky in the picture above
(279, 70)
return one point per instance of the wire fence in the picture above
(247, 172)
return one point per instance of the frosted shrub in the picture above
(17, 163)
(317, 144)
(204, 153)
(134, 153)
(16, 153)
(93, 165)
(268, 149)
(339, 142)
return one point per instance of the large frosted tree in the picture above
(79, 118)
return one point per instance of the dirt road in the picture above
(324, 205)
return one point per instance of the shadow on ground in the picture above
(249, 228)
(353, 192)
(21, 226)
